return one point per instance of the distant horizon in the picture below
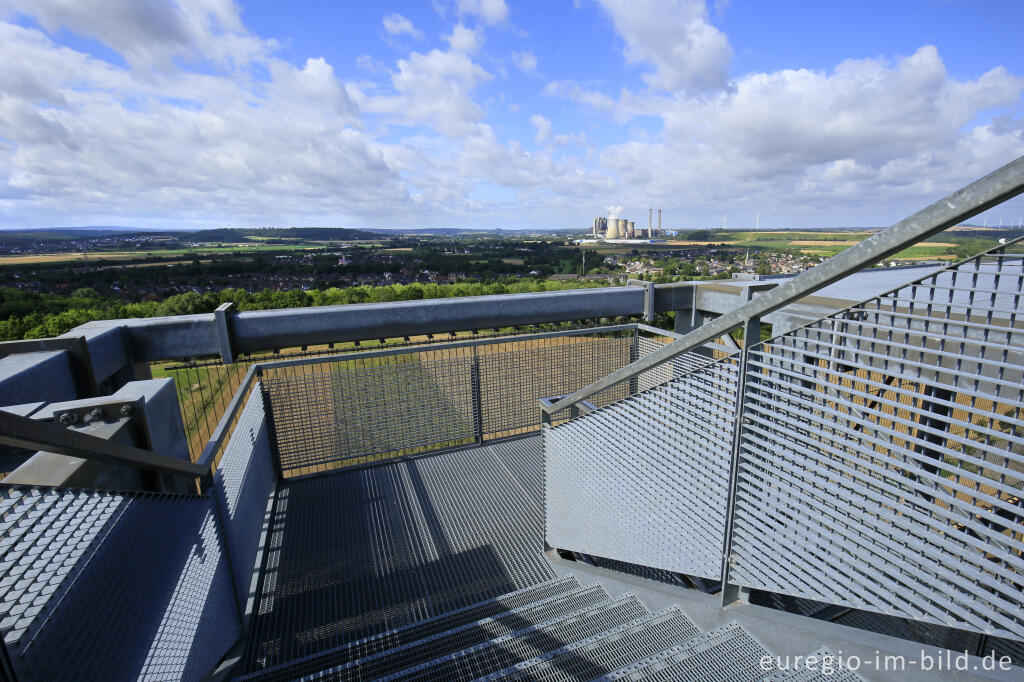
(131, 228)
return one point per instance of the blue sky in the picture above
(497, 113)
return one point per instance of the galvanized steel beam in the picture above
(24, 432)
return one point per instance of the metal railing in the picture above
(991, 190)
(364, 407)
(873, 459)
(881, 453)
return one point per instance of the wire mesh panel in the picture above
(399, 404)
(515, 376)
(113, 586)
(344, 411)
(666, 371)
(882, 454)
(645, 480)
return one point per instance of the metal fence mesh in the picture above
(882, 454)
(660, 460)
(377, 406)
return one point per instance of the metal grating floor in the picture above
(358, 552)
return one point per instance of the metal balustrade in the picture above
(878, 454)
(881, 458)
(364, 407)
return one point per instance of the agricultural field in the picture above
(94, 256)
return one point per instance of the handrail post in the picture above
(268, 414)
(732, 593)
(478, 410)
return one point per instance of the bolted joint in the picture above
(68, 418)
(96, 414)
(127, 410)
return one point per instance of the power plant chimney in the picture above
(650, 223)
(659, 221)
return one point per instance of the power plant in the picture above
(616, 228)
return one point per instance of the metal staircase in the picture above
(557, 631)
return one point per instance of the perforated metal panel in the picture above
(244, 479)
(645, 480)
(113, 586)
(882, 454)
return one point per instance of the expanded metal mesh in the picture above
(660, 461)
(882, 454)
(346, 411)
(112, 586)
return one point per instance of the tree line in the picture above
(27, 315)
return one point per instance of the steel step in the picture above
(425, 650)
(727, 654)
(502, 652)
(607, 651)
(406, 634)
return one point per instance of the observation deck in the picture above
(539, 486)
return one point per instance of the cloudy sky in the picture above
(502, 113)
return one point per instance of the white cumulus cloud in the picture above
(395, 24)
(675, 36)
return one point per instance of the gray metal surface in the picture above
(362, 551)
(387, 404)
(995, 188)
(427, 649)
(825, 666)
(390, 640)
(243, 481)
(170, 338)
(24, 432)
(113, 586)
(728, 653)
(605, 652)
(645, 480)
(874, 475)
(501, 652)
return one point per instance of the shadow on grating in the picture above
(355, 553)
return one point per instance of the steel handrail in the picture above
(981, 195)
